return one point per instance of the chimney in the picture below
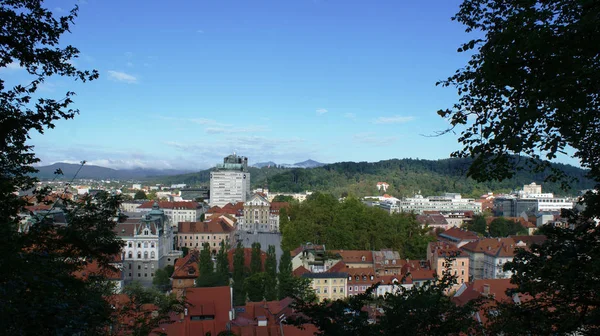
(486, 289)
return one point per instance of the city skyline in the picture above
(183, 85)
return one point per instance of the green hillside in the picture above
(405, 176)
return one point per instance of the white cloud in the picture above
(122, 77)
(58, 9)
(129, 54)
(374, 139)
(200, 31)
(393, 120)
(350, 116)
(321, 111)
(236, 130)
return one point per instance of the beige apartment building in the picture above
(193, 235)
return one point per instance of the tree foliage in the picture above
(255, 259)
(222, 271)
(37, 278)
(239, 274)
(351, 225)
(206, 267)
(534, 65)
(502, 227)
(144, 310)
(140, 195)
(255, 286)
(271, 274)
(531, 88)
(478, 224)
(162, 278)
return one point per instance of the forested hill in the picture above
(405, 177)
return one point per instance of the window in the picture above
(334, 280)
(139, 275)
(394, 262)
(356, 288)
(350, 278)
(152, 245)
(341, 289)
(130, 244)
(151, 274)
(325, 290)
(463, 263)
(139, 266)
(130, 255)
(139, 255)
(145, 275)
(145, 254)
(364, 278)
(350, 289)
(462, 272)
(152, 266)
(139, 245)
(145, 266)
(334, 290)
(325, 281)
(129, 274)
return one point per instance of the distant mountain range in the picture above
(102, 173)
(304, 164)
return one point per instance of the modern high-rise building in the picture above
(230, 181)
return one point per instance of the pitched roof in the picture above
(187, 267)
(455, 233)
(276, 206)
(299, 271)
(208, 301)
(432, 219)
(487, 287)
(354, 256)
(530, 240)
(92, 269)
(497, 247)
(443, 249)
(214, 225)
(340, 266)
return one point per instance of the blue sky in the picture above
(184, 83)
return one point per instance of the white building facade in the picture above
(148, 246)
(176, 211)
(449, 202)
(230, 182)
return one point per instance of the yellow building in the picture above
(330, 286)
(437, 252)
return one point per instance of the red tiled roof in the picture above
(300, 270)
(171, 205)
(354, 256)
(276, 206)
(500, 247)
(215, 225)
(459, 234)
(187, 267)
(442, 249)
(209, 301)
(530, 240)
(432, 219)
(340, 266)
(94, 269)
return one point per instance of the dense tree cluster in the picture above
(351, 225)
(405, 176)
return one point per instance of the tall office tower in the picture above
(230, 181)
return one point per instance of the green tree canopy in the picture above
(239, 274)
(140, 195)
(206, 267)
(502, 227)
(479, 225)
(162, 278)
(255, 259)
(222, 271)
(271, 274)
(255, 286)
(352, 225)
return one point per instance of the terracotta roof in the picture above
(366, 275)
(247, 257)
(422, 274)
(215, 225)
(354, 256)
(171, 205)
(340, 266)
(443, 249)
(495, 288)
(486, 244)
(300, 271)
(125, 229)
(276, 206)
(275, 330)
(458, 234)
(94, 269)
(530, 240)
(210, 301)
(268, 311)
(187, 267)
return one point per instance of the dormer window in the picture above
(364, 277)
(146, 232)
(363, 258)
(357, 278)
(394, 262)
(350, 278)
